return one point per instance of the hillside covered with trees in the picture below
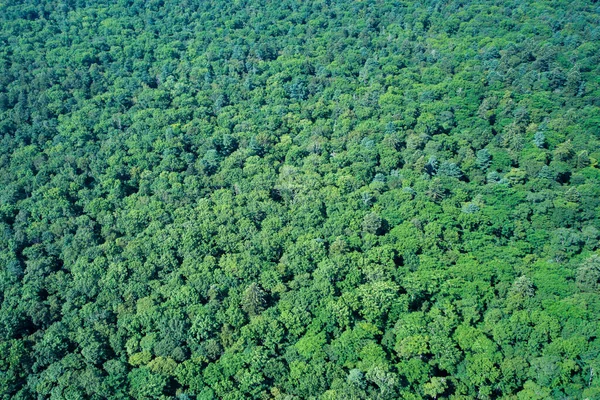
(284, 200)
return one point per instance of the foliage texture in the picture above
(299, 199)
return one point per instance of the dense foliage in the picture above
(299, 200)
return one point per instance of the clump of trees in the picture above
(299, 200)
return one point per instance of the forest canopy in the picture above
(325, 199)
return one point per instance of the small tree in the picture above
(484, 159)
(588, 275)
(253, 302)
(449, 169)
(371, 223)
(539, 140)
